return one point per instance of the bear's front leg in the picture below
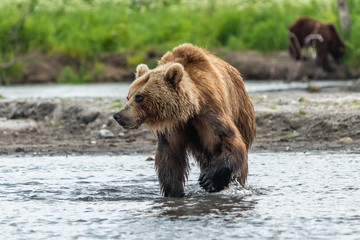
(321, 57)
(216, 177)
(230, 164)
(172, 165)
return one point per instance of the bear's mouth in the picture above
(133, 125)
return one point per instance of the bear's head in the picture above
(160, 98)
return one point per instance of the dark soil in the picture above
(287, 121)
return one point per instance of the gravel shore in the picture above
(286, 121)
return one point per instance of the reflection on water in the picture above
(289, 195)
(200, 207)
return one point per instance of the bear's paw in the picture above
(215, 179)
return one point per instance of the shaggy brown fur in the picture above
(322, 35)
(197, 104)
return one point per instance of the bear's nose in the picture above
(117, 117)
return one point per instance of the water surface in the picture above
(120, 90)
(288, 195)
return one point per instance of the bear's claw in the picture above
(214, 180)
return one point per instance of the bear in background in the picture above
(196, 104)
(306, 32)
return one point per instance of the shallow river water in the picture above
(120, 90)
(288, 196)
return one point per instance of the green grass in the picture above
(84, 29)
(356, 103)
(302, 112)
(260, 99)
(117, 105)
(1, 96)
(56, 124)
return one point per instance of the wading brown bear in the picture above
(196, 104)
(306, 32)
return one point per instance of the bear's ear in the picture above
(141, 70)
(174, 74)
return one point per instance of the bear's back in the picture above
(188, 55)
(220, 84)
(202, 66)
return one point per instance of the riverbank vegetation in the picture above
(85, 29)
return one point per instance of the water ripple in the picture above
(288, 195)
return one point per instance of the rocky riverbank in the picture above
(286, 121)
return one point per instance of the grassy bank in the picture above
(84, 29)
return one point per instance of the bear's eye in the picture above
(139, 98)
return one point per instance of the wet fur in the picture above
(203, 111)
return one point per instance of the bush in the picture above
(86, 28)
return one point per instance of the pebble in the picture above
(130, 139)
(313, 88)
(346, 140)
(105, 133)
(302, 99)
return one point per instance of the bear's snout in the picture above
(117, 117)
(126, 121)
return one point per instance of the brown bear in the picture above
(196, 104)
(305, 32)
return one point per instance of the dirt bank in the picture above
(40, 68)
(286, 121)
(279, 65)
